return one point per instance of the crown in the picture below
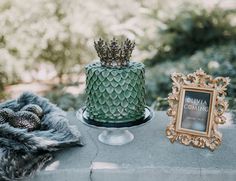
(114, 54)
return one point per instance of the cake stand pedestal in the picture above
(114, 134)
(116, 137)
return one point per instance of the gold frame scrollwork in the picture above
(197, 81)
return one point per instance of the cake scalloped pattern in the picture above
(115, 94)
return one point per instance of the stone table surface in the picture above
(150, 157)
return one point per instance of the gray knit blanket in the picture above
(25, 152)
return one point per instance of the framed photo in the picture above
(195, 110)
(197, 104)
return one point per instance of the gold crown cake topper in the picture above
(114, 54)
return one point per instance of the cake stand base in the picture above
(115, 137)
(114, 134)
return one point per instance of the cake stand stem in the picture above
(116, 137)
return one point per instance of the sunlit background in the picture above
(44, 44)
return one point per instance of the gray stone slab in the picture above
(149, 157)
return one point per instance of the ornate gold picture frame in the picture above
(197, 104)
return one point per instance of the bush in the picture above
(62, 32)
(217, 60)
(66, 101)
(194, 28)
(161, 104)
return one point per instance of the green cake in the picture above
(115, 86)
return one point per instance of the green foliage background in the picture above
(195, 38)
(171, 36)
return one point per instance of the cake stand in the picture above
(117, 133)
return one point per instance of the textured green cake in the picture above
(115, 95)
(115, 86)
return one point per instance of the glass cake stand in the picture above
(114, 134)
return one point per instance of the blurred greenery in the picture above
(61, 33)
(195, 38)
(170, 36)
(193, 29)
(64, 100)
(217, 60)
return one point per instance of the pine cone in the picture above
(34, 108)
(20, 119)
